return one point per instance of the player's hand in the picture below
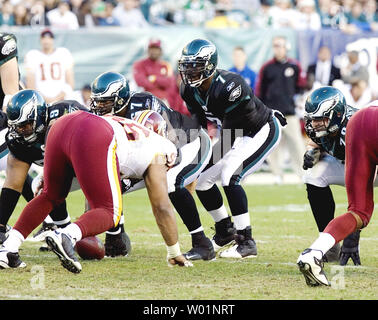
(310, 158)
(350, 249)
(39, 188)
(180, 261)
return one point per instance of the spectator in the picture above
(371, 14)
(174, 99)
(239, 58)
(83, 96)
(354, 71)
(129, 14)
(197, 12)
(261, 17)
(331, 14)
(221, 20)
(282, 14)
(21, 15)
(51, 4)
(323, 72)
(279, 80)
(50, 70)
(6, 14)
(357, 94)
(84, 14)
(61, 17)
(108, 19)
(152, 73)
(307, 17)
(38, 14)
(356, 20)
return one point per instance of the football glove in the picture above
(350, 249)
(310, 158)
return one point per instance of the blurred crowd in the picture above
(351, 16)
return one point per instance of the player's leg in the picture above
(194, 158)
(58, 177)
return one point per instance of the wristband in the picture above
(173, 251)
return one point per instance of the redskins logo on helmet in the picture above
(152, 120)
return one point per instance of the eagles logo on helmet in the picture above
(152, 120)
(324, 112)
(26, 112)
(110, 93)
(198, 62)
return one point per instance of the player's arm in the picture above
(16, 173)
(9, 79)
(156, 184)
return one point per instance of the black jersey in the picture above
(230, 102)
(34, 153)
(8, 50)
(176, 121)
(335, 145)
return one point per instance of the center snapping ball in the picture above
(90, 248)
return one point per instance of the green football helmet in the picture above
(198, 62)
(27, 114)
(326, 108)
(110, 93)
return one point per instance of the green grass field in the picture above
(282, 226)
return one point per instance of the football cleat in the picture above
(245, 246)
(310, 263)
(63, 246)
(224, 234)
(201, 251)
(333, 254)
(41, 233)
(10, 260)
(117, 245)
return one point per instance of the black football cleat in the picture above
(117, 245)
(202, 250)
(61, 244)
(41, 233)
(244, 247)
(224, 234)
(10, 260)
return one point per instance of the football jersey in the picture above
(50, 70)
(140, 101)
(137, 147)
(335, 146)
(34, 153)
(229, 102)
(8, 50)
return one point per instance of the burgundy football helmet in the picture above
(152, 120)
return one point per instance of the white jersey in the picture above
(50, 70)
(137, 147)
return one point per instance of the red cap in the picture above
(47, 32)
(154, 43)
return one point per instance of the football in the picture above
(90, 248)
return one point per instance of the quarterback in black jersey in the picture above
(326, 119)
(111, 94)
(249, 131)
(28, 120)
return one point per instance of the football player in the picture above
(361, 160)
(50, 70)
(249, 133)
(326, 118)
(28, 119)
(111, 94)
(79, 144)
